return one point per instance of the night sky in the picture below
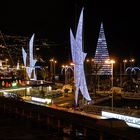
(52, 19)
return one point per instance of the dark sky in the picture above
(52, 19)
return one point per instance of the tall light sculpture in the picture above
(102, 54)
(78, 57)
(31, 67)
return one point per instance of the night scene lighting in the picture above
(70, 69)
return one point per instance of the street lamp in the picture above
(74, 72)
(52, 66)
(90, 61)
(124, 64)
(131, 61)
(111, 62)
(67, 67)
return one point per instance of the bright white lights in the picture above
(102, 54)
(24, 54)
(131, 121)
(78, 57)
(15, 89)
(48, 101)
(31, 60)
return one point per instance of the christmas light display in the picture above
(31, 67)
(101, 54)
(78, 57)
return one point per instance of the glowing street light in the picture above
(74, 72)
(131, 61)
(89, 65)
(90, 60)
(52, 66)
(111, 62)
(67, 67)
(124, 63)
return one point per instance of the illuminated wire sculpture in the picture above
(31, 67)
(133, 69)
(78, 57)
(102, 54)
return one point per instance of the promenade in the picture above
(40, 122)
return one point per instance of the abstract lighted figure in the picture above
(133, 69)
(102, 54)
(31, 67)
(78, 57)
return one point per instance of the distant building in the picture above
(102, 54)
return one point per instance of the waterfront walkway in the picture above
(26, 121)
(16, 128)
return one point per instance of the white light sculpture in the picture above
(102, 54)
(24, 54)
(78, 57)
(32, 61)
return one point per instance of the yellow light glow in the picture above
(72, 64)
(125, 61)
(132, 60)
(110, 61)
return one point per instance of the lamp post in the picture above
(124, 64)
(131, 61)
(52, 66)
(111, 62)
(74, 72)
(67, 67)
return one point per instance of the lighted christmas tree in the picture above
(101, 54)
